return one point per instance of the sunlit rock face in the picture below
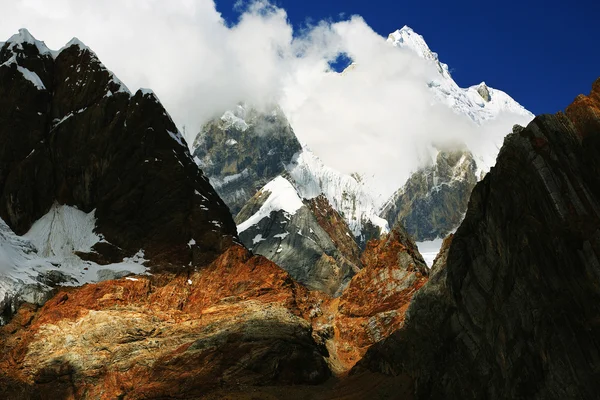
(238, 321)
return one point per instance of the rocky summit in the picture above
(307, 238)
(76, 136)
(514, 311)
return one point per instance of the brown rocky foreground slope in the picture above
(515, 310)
(240, 325)
(237, 322)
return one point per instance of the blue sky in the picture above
(541, 52)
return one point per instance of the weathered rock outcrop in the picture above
(243, 150)
(374, 304)
(71, 133)
(240, 325)
(434, 199)
(515, 311)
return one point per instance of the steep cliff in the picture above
(374, 304)
(514, 312)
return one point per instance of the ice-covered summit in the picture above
(409, 39)
(479, 102)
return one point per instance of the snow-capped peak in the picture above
(83, 48)
(24, 36)
(480, 102)
(409, 39)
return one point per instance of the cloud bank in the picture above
(378, 118)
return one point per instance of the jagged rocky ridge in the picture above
(480, 103)
(76, 146)
(431, 204)
(247, 148)
(513, 309)
(434, 199)
(282, 220)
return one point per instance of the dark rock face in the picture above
(515, 311)
(434, 199)
(314, 244)
(84, 141)
(242, 151)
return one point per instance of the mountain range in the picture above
(248, 151)
(124, 274)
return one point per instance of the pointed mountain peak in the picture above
(76, 42)
(22, 37)
(407, 38)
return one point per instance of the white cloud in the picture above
(377, 119)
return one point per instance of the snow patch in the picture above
(236, 121)
(178, 137)
(217, 183)
(282, 196)
(257, 239)
(352, 199)
(48, 249)
(32, 77)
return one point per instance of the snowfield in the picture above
(45, 255)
